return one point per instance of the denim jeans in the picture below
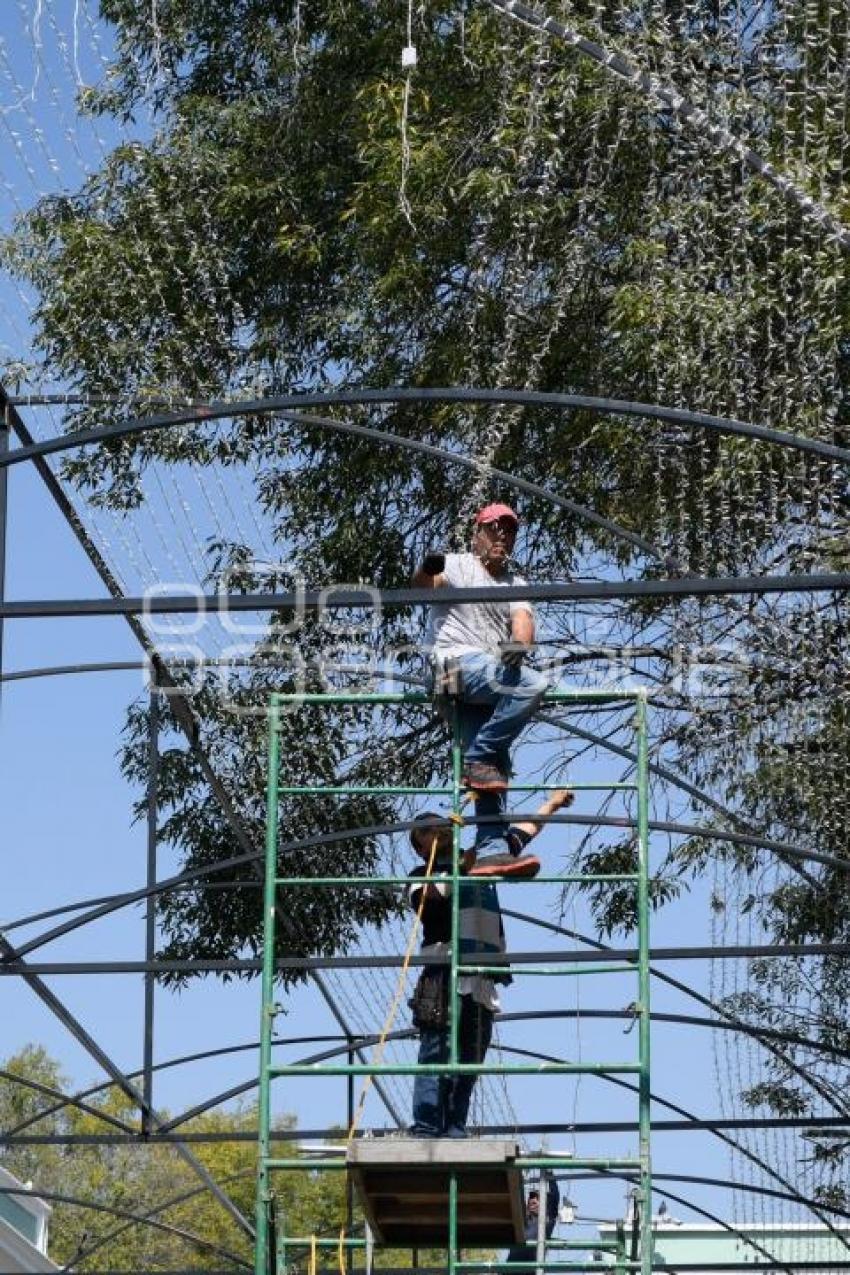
(441, 1103)
(495, 704)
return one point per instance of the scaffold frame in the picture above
(271, 1239)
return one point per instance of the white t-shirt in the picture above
(455, 630)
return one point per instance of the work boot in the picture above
(483, 776)
(509, 867)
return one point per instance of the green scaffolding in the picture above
(272, 1241)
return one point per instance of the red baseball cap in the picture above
(492, 513)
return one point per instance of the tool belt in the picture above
(429, 1003)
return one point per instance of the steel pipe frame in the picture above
(663, 772)
(115, 902)
(295, 403)
(96, 1207)
(770, 440)
(85, 1252)
(187, 723)
(625, 957)
(353, 598)
(622, 1083)
(762, 1035)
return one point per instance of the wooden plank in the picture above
(403, 1185)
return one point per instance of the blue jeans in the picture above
(495, 704)
(441, 1103)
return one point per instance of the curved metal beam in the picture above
(134, 1218)
(359, 397)
(813, 1205)
(663, 772)
(248, 1085)
(366, 1041)
(678, 781)
(676, 983)
(86, 1252)
(404, 825)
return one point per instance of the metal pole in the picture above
(644, 1093)
(620, 1260)
(264, 1193)
(454, 1003)
(453, 1253)
(542, 1218)
(454, 999)
(349, 1181)
(4, 502)
(150, 914)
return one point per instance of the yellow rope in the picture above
(398, 994)
(313, 1262)
(341, 1250)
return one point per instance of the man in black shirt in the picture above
(441, 1103)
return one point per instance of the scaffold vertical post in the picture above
(644, 1112)
(454, 998)
(152, 804)
(620, 1259)
(263, 1206)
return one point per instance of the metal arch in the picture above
(812, 1205)
(352, 397)
(663, 772)
(468, 462)
(677, 781)
(836, 1126)
(114, 903)
(676, 983)
(201, 1056)
(338, 1050)
(367, 1040)
(96, 1207)
(307, 965)
(90, 1045)
(84, 1253)
(180, 706)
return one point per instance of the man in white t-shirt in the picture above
(484, 644)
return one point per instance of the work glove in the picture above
(512, 653)
(434, 562)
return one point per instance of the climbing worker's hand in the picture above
(434, 562)
(559, 798)
(513, 653)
